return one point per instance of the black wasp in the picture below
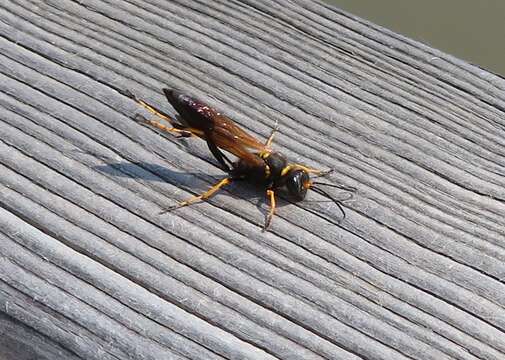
(257, 162)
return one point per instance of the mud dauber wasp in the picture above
(257, 162)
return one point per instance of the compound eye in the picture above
(297, 183)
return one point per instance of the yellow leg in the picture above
(151, 109)
(271, 137)
(163, 127)
(203, 196)
(315, 171)
(305, 168)
(271, 195)
(160, 114)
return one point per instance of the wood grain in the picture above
(89, 269)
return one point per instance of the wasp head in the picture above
(297, 183)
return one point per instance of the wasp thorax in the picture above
(276, 163)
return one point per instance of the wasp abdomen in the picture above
(195, 113)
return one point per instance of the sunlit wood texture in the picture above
(89, 269)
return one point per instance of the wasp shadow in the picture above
(197, 182)
(150, 172)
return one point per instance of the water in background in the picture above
(470, 30)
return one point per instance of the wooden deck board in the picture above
(89, 269)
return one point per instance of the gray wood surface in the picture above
(88, 269)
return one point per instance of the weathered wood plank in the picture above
(20, 342)
(415, 271)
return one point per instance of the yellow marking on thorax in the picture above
(267, 171)
(264, 154)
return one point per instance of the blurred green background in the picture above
(470, 30)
